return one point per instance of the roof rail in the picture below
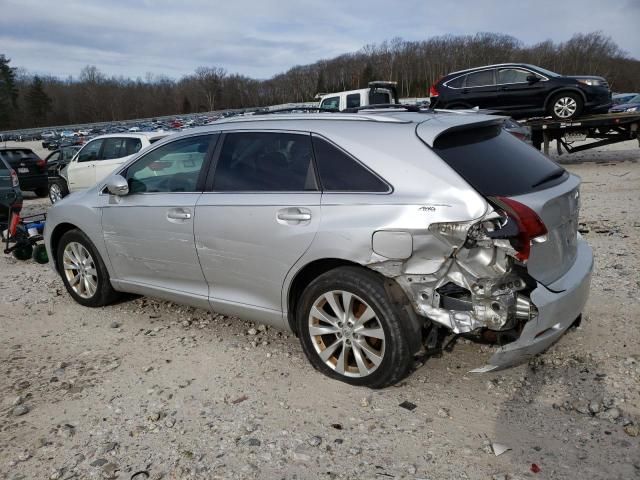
(408, 108)
(297, 109)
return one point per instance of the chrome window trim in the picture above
(446, 84)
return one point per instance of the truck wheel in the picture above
(57, 190)
(566, 106)
(351, 330)
(83, 272)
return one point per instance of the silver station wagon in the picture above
(370, 235)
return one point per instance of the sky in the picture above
(133, 38)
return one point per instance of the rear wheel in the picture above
(566, 106)
(351, 331)
(83, 272)
(57, 190)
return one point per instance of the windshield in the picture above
(547, 73)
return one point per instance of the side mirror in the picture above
(118, 185)
(533, 79)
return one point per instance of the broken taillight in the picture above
(530, 226)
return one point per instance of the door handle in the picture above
(179, 214)
(294, 215)
(300, 217)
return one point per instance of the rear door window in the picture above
(378, 97)
(339, 172)
(480, 79)
(496, 163)
(265, 162)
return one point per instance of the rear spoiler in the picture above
(429, 136)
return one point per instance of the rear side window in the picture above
(378, 97)
(119, 147)
(341, 173)
(353, 100)
(494, 162)
(265, 162)
(456, 82)
(480, 79)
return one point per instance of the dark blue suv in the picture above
(521, 90)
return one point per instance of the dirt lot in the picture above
(181, 393)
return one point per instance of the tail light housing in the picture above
(530, 229)
(15, 182)
(433, 90)
(41, 164)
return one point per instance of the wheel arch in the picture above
(54, 241)
(313, 269)
(562, 90)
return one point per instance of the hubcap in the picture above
(80, 270)
(346, 334)
(55, 193)
(565, 107)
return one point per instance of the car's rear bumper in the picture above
(559, 305)
(32, 182)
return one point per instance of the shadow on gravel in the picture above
(561, 418)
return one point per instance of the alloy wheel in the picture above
(346, 333)
(80, 270)
(55, 193)
(565, 107)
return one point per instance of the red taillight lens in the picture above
(433, 91)
(41, 164)
(13, 224)
(14, 179)
(530, 226)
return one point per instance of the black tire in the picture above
(23, 252)
(397, 358)
(576, 97)
(41, 192)
(104, 293)
(57, 185)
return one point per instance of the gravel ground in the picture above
(174, 392)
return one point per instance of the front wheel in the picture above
(57, 190)
(83, 272)
(351, 331)
(566, 106)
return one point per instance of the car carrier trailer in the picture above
(605, 129)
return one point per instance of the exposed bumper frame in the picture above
(559, 305)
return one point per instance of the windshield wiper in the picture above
(551, 176)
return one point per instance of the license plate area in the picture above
(23, 170)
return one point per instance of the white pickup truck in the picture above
(378, 93)
(97, 159)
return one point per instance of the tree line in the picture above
(31, 101)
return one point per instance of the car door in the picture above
(479, 89)
(148, 233)
(116, 151)
(81, 172)
(515, 93)
(259, 217)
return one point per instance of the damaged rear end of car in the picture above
(518, 276)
